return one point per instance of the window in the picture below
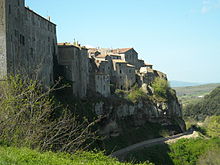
(18, 2)
(22, 40)
(9, 9)
(120, 71)
(32, 52)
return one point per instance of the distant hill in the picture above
(182, 84)
(195, 90)
(207, 106)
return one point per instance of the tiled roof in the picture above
(121, 50)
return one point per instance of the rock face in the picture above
(166, 113)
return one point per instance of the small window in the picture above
(9, 9)
(18, 2)
(32, 52)
(22, 40)
(120, 71)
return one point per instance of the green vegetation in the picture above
(136, 94)
(30, 117)
(210, 157)
(184, 151)
(212, 125)
(160, 87)
(24, 156)
(208, 106)
(193, 94)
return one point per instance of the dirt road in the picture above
(149, 143)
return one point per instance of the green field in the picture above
(192, 94)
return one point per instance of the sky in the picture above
(179, 37)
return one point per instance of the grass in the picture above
(24, 156)
(183, 152)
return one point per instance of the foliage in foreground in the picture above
(28, 117)
(24, 156)
(184, 151)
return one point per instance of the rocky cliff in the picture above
(166, 112)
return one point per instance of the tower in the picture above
(12, 14)
(28, 42)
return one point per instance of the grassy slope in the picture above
(185, 151)
(24, 156)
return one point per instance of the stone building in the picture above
(28, 42)
(129, 55)
(125, 74)
(102, 83)
(74, 60)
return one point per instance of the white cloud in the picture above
(208, 5)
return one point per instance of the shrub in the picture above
(210, 157)
(161, 87)
(212, 124)
(28, 118)
(136, 94)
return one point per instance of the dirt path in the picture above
(149, 143)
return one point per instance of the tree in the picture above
(28, 117)
(160, 87)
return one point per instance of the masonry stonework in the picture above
(28, 42)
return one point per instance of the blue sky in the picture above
(179, 37)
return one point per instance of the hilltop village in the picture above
(29, 47)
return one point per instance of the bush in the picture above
(28, 118)
(136, 94)
(161, 87)
(210, 157)
(212, 125)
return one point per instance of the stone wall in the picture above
(75, 67)
(3, 58)
(30, 43)
(131, 57)
(125, 75)
(102, 82)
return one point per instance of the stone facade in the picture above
(129, 55)
(102, 82)
(28, 42)
(125, 74)
(74, 60)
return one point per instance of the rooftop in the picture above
(121, 50)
